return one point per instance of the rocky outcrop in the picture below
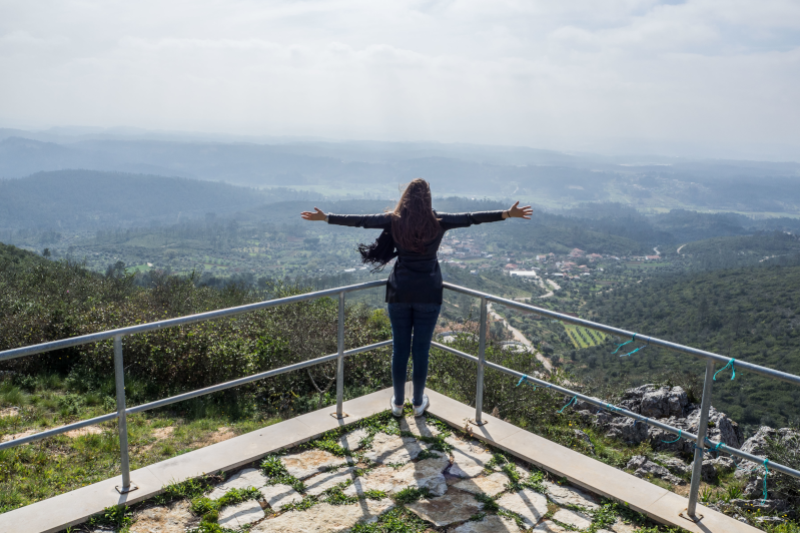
(645, 468)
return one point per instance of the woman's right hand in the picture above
(317, 215)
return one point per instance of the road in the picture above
(519, 337)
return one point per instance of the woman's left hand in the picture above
(520, 212)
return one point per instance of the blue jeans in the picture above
(405, 318)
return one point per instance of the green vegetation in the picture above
(582, 337)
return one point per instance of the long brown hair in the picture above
(413, 226)
(413, 223)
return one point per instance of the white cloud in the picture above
(508, 71)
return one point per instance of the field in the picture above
(584, 337)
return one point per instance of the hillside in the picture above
(750, 314)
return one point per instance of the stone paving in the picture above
(376, 470)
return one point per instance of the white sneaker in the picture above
(397, 410)
(419, 411)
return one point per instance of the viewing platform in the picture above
(452, 480)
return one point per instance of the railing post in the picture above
(481, 359)
(340, 363)
(122, 422)
(699, 450)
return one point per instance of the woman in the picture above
(412, 233)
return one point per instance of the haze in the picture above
(703, 77)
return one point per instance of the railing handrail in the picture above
(179, 321)
(740, 364)
(122, 411)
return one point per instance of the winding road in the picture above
(519, 337)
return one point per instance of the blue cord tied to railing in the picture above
(680, 436)
(624, 343)
(525, 378)
(730, 364)
(766, 473)
(568, 404)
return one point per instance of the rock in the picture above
(563, 495)
(424, 474)
(304, 464)
(585, 438)
(720, 429)
(644, 468)
(455, 506)
(489, 524)
(490, 485)
(573, 518)
(327, 480)
(548, 527)
(757, 444)
(278, 496)
(529, 505)
(469, 458)
(176, 518)
(392, 449)
(324, 518)
(708, 472)
(418, 426)
(621, 527)
(627, 430)
(249, 477)
(766, 507)
(352, 441)
(236, 516)
(664, 402)
(676, 466)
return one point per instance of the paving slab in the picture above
(489, 524)
(236, 516)
(549, 527)
(585, 472)
(454, 506)
(393, 449)
(175, 518)
(423, 474)
(528, 504)
(279, 495)
(418, 425)
(469, 457)
(325, 518)
(573, 518)
(490, 485)
(564, 495)
(352, 440)
(327, 480)
(309, 462)
(249, 477)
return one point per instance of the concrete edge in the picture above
(75, 507)
(657, 503)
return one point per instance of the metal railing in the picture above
(700, 440)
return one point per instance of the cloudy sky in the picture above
(574, 75)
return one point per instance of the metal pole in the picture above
(481, 360)
(340, 362)
(702, 429)
(119, 376)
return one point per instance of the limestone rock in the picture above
(455, 506)
(563, 495)
(304, 464)
(278, 496)
(621, 527)
(573, 518)
(489, 524)
(418, 426)
(676, 466)
(645, 468)
(236, 516)
(249, 477)
(585, 438)
(548, 527)
(721, 428)
(325, 518)
(424, 474)
(392, 449)
(627, 430)
(469, 458)
(530, 505)
(327, 480)
(352, 440)
(649, 401)
(722, 464)
(176, 518)
(766, 507)
(491, 485)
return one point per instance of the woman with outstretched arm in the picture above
(412, 233)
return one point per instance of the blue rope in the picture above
(634, 351)
(568, 404)
(523, 378)
(730, 364)
(766, 473)
(624, 343)
(680, 435)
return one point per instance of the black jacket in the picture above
(416, 277)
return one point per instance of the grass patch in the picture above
(411, 494)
